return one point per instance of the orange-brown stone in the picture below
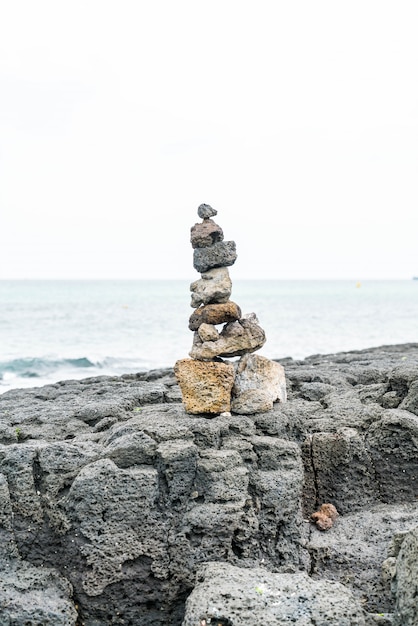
(205, 386)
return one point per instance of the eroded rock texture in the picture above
(231, 595)
(205, 387)
(113, 499)
(214, 286)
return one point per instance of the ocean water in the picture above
(55, 330)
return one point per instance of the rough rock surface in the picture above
(225, 594)
(259, 382)
(109, 482)
(215, 314)
(405, 584)
(325, 517)
(205, 211)
(205, 234)
(236, 338)
(32, 595)
(214, 286)
(221, 254)
(205, 387)
(208, 332)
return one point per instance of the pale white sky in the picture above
(297, 120)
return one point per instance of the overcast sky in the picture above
(297, 120)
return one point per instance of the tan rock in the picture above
(205, 386)
(208, 332)
(214, 286)
(252, 401)
(258, 383)
(215, 314)
(237, 338)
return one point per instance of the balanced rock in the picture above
(221, 254)
(215, 314)
(208, 332)
(214, 286)
(205, 387)
(325, 517)
(237, 338)
(258, 383)
(205, 234)
(205, 211)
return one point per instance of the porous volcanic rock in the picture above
(258, 383)
(205, 387)
(405, 584)
(214, 314)
(225, 594)
(236, 338)
(214, 286)
(221, 254)
(205, 234)
(111, 485)
(205, 211)
(35, 595)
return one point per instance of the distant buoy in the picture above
(358, 285)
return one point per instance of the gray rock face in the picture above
(34, 595)
(226, 594)
(214, 286)
(215, 314)
(354, 549)
(124, 497)
(406, 580)
(208, 332)
(221, 254)
(205, 387)
(393, 445)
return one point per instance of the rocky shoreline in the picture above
(118, 507)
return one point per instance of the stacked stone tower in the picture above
(208, 383)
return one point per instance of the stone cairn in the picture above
(208, 383)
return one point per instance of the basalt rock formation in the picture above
(117, 507)
(240, 335)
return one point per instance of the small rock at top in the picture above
(205, 210)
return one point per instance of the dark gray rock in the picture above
(220, 254)
(111, 485)
(405, 584)
(392, 442)
(344, 470)
(354, 549)
(410, 403)
(230, 595)
(205, 211)
(236, 338)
